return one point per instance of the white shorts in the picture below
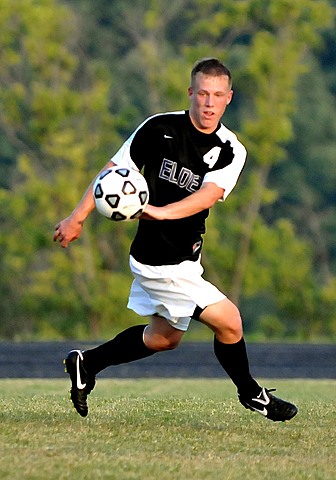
(171, 291)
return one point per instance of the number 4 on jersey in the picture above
(211, 157)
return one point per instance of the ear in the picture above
(229, 97)
(190, 91)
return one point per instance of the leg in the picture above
(126, 347)
(160, 335)
(132, 344)
(229, 345)
(224, 319)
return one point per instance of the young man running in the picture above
(190, 161)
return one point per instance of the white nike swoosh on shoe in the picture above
(167, 136)
(262, 412)
(80, 385)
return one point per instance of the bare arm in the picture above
(70, 228)
(204, 198)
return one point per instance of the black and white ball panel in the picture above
(120, 193)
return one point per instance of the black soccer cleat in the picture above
(81, 382)
(270, 406)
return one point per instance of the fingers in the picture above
(58, 236)
(67, 231)
(145, 216)
(57, 233)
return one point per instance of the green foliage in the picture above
(60, 124)
(76, 77)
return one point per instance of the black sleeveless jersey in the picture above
(176, 159)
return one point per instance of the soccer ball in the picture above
(120, 193)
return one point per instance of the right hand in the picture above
(152, 213)
(67, 231)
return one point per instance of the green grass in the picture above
(163, 430)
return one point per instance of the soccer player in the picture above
(190, 161)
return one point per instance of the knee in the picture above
(235, 323)
(160, 343)
(225, 320)
(231, 330)
(159, 335)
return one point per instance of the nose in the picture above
(209, 101)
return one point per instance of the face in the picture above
(209, 97)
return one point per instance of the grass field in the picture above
(164, 430)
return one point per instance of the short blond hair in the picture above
(212, 67)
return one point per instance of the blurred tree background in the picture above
(78, 76)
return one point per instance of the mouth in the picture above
(208, 114)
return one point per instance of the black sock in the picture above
(126, 347)
(233, 358)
